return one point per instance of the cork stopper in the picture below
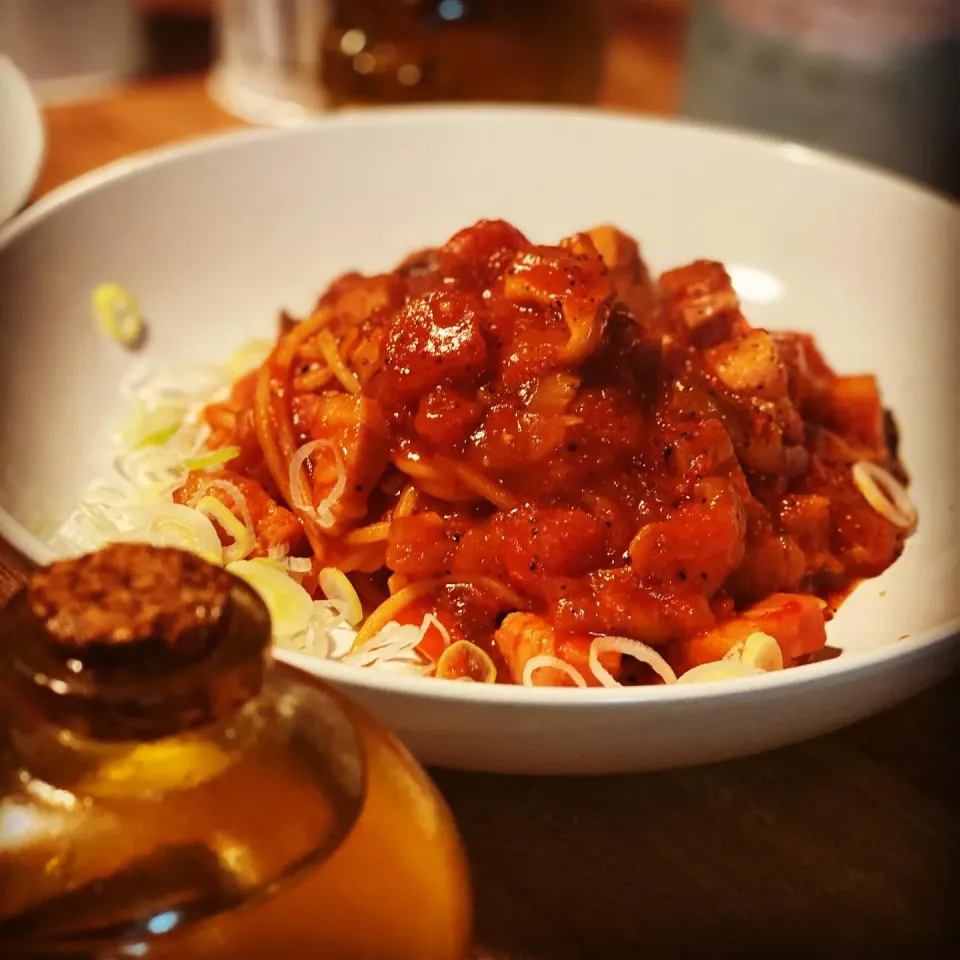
(132, 642)
(129, 593)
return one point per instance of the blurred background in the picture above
(873, 79)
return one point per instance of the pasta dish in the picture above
(540, 465)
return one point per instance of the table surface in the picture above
(845, 845)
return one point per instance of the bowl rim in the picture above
(785, 150)
(836, 670)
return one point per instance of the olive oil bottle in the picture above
(166, 791)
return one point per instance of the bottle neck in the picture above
(49, 759)
(90, 669)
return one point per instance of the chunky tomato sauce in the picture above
(569, 447)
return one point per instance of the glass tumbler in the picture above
(282, 61)
(268, 66)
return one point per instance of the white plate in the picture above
(21, 139)
(215, 236)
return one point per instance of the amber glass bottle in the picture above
(395, 51)
(167, 792)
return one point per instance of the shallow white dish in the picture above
(21, 139)
(214, 237)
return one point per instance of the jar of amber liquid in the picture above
(402, 51)
(167, 792)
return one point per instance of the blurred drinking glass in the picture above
(281, 61)
(874, 79)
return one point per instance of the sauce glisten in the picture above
(626, 455)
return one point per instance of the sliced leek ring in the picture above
(761, 651)
(336, 586)
(464, 658)
(174, 525)
(117, 313)
(290, 606)
(719, 670)
(212, 458)
(243, 539)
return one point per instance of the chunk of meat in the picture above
(862, 539)
(701, 543)
(274, 525)
(523, 636)
(767, 434)
(477, 256)
(606, 430)
(617, 602)
(808, 373)
(696, 458)
(853, 408)
(515, 438)
(620, 253)
(420, 546)
(772, 561)
(549, 542)
(357, 426)
(574, 283)
(750, 365)
(358, 297)
(432, 340)
(527, 547)
(806, 518)
(575, 650)
(628, 273)
(445, 417)
(702, 302)
(795, 621)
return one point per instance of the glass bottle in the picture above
(395, 51)
(166, 791)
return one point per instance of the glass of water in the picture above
(269, 59)
(282, 61)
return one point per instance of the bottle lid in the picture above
(134, 642)
(128, 595)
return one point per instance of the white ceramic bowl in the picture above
(214, 237)
(21, 139)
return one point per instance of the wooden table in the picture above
(844, 846)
